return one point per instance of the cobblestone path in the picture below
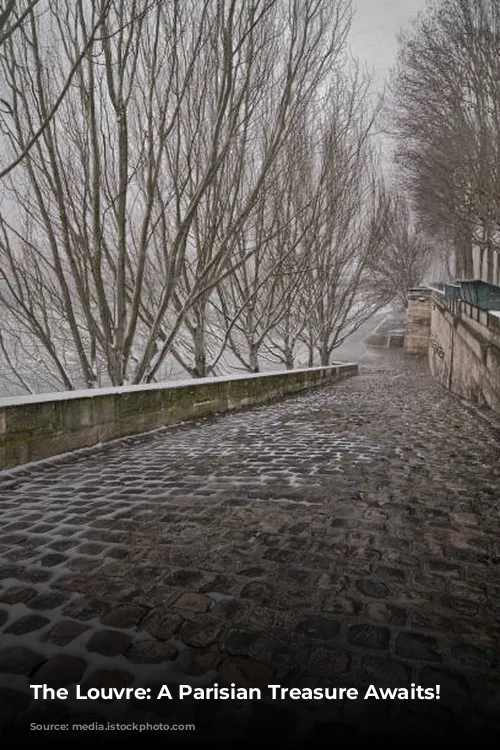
(348, 537)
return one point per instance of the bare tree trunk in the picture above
(254, 357)
(200, 368)
(289, 356)
(324, 355)
(310, 349)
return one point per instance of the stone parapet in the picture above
(38, 427)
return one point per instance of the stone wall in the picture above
(462, 343)
(36, 427)
(464, 350)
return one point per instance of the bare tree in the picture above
(350, 221)
(253, 300)
(21, 18)
(11, 17)
(91, 184)
(129, 199)
(406, 256)
(302, 45)
(282, 340)
(447, 115)
(309, 282)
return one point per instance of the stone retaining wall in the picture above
(461, 341)
(464, 350)
(36, 427)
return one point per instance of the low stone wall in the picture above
(36, 427)
(464, 350)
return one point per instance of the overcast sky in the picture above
(375, 28)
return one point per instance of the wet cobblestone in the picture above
(348, 537)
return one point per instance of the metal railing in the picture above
(474, 291)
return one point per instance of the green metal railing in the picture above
(480, 294)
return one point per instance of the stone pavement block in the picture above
(15, 555)
(47, 601)
(235, 610)
(161, 623)
(340, 605)
(373, 589)
(27, 624)
(19, 660)
(117, 553)
(61, 545)
(115, 570)
(202, 631)
(192, 602)
(396, 575)
(183, 578)
(318, 627)
(83, 564)
(258, 645)
(419, 647)
(85, 609)
(431, 620)
(54, 558)
(329, 662)
(151, 652)
(124, 616)
(78, 583)
(369, 636)
(387, 613)
(65, 631)
(108, 642)
(227, 585)
(60, 670)
(261, 591)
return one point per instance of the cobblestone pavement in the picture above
(348, 537)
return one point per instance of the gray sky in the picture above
(375, 27)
